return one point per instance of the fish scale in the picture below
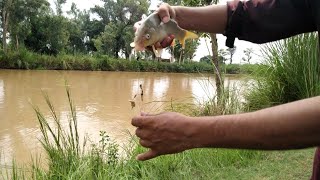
(152, 30)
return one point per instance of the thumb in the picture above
(145, 114)
(147, 155)
(164, 12)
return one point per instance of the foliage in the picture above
(118, 34)
(24, 59)
(292, 73)
(231, 52)
(248, 55)
(70, 159)
(208, 59)
(44, 39)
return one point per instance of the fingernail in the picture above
(165, 19)
(143, 113)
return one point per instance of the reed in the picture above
(293, 72)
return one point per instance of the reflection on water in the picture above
(1, 92)
(101, 99)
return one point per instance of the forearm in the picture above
(290, 126)
(211, 18)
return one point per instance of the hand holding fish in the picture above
(158, 45)
(158, 27)
(165, 12)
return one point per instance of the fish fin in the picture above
(132, 44)
(173, 43)
(154, 50)
(157, 52)
(188, 35)
(191, 35)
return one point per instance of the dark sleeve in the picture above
(261, 21)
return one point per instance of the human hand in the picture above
(165, 12)
(165, 133)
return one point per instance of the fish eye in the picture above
(147, 36)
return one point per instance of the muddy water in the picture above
(101, 99)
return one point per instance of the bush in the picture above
(292, 73)
(24, 59)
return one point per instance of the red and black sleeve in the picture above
(261, 21)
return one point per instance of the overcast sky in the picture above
(202, 49)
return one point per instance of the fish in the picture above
(151, 30)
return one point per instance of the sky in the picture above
(202, 49)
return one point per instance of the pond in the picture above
(101, 99)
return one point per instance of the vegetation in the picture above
(34, 36)
(37, 36)
(70, 157)
(33, 24)
(292, 72)
(24, 59)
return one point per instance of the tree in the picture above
(248, 56)
(188, 53)
(48, 32)
(231, 53)
(74, 11)
(191, 45)
(22, 12)
(16, 16)
(206, 59)
(214, 45)
(120, 16)
(59, 4)
(6, 6)
(91, 29)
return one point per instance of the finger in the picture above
(147, 114)
(167, 41)
(141, 121)
(138, 121)
(144, 114)
(143, 133)
(149, 48)
(158, 45)
(145, 143)
(148, 155)
(164, 13)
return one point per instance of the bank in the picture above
(24, 59)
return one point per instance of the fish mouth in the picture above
(139, 46)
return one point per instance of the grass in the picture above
(293, 72)
(24, 59)
(67, 158)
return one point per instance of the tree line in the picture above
(34, 25)
(106, 29)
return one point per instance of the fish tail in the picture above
(188, 35)
(173, 44)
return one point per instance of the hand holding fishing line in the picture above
(162, 133)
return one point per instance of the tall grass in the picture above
(293, 72)
(68, 158)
